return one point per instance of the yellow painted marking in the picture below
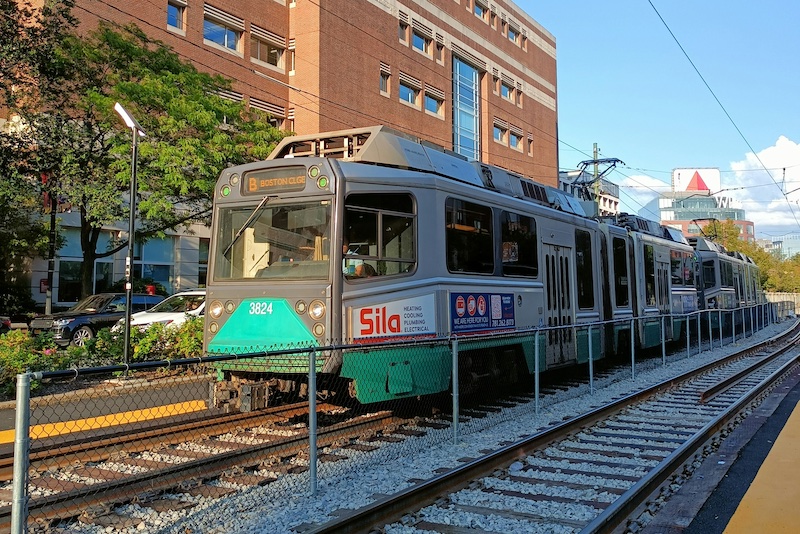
(771, 502)
(56, 429)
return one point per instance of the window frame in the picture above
(226, 31)
(270, 47)
(469, 237)
(180, 17)
(406, 88)
(382, 213)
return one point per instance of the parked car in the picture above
(173, 310)
(5, 324)
(82, 321)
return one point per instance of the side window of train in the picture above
(676, 267)
(621, 286)
(468, 237)
(709, 274)
(380, 233)
(688, 269)
(583, 269)
(520, 252)
(649, 275)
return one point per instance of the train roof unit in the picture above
(384, 146)
(636, 223)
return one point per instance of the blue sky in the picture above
(625, 84)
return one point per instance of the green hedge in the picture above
(21, 352)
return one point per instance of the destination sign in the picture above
(274, 181)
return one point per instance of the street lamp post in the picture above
(137, 131)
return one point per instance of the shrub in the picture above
(20, 353)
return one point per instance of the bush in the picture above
(20, 353)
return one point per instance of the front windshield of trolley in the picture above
(287, 241)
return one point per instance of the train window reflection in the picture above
(281, 241)
(379, 231)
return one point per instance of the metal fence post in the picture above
(312, 420)
(591, 363)
(22, 439)
(633, 349)
(699, 335)
(710, 333)
(720, 328)
(536, 371)
(455, 390)
(663, 343)
(733, 325)
(688, 339)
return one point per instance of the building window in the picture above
(440, 53)
(402, 32)
(500, 134)
(507, 91)
(409, 94)
(466, 109)
(530, 146)
(266, 53)
(481, 11)
(69, 281)
(384, 84)
(515, 141)
(513, 35)
(176, 11)
(421, 43)
(222, 35)
(434, 104)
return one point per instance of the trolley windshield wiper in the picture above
(247, 223)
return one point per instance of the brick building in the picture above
(474, 76)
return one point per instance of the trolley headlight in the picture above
(319, 329)
(300, 307)
(316, 310)
(215, 309)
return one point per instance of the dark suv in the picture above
(81, 322)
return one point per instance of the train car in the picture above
(650, 275)
(726, 281)
(370, 234)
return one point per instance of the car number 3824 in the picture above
(260, 308)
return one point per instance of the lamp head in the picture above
(130, 122)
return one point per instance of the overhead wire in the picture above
(725, 111)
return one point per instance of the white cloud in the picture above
(761, 191)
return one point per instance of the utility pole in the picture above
(595, 181)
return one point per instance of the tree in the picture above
(73, 135)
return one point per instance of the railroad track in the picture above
(591, 473)
(97, 470)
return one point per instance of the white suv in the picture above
(172, 311)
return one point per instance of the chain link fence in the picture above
(178, 431)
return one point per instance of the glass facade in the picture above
(466, 109)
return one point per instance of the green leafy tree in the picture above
(72, 134)
(23, 234)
